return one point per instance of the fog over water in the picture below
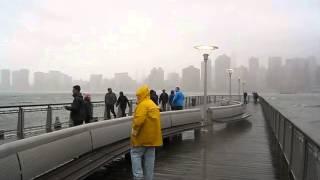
(82, 37)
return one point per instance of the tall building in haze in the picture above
(40, 81)
(254, 70)
(222, 63)
(274, 73)
(191, 79)
(5, 80)
(123, 82)
(20, 80)
(95, 82)
(156, 78)
(173, 80)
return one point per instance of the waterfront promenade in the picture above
(241, 150)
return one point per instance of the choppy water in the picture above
(302, 109)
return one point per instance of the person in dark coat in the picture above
(77, 109)
(245, 95)
(110, 101)
(163, 100)
(154, 97)
(88, 108)
(171, 99)
(255, 97)
(123, 102)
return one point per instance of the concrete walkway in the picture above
(242, 150)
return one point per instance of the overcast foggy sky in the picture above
(81, 37)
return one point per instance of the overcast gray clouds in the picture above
(80, 37)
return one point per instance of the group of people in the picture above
(81, 109)
(146, 133)
(175, 99)
(111, 101)
(255, 96)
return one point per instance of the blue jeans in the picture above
(142, 159)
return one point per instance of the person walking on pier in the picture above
(88, 108)
(154, 97)
(77, 109)
(122, 103)
(163, 100)
(245, 95)
(146, 135)
(255, 97)
(110, 101)
(171, 99)
(178, 100)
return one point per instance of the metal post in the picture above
(239, 89)
(230, 87)
(205, 56)
(49, 119)
(20, 125)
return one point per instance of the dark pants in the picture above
(87, 120)
(245, 100)
(123, 111)
(178, 108)
(108, 109)
(164, 106)
(77, 122)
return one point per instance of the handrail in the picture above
(300, 149)
(23, 112)
(80, 140)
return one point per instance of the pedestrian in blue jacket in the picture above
(178, 100)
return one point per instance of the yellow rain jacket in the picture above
(146, 125)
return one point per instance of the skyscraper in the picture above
(20, 80)
(40, 81)
(5, 79)
(95, 82)
(59, 81)
(173, 80)
(274, 73)
(254, 68)
(191, 79)
(123, 82)
(222, 63)
(156, 78)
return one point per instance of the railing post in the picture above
(49, 119)
(131, 108)
(305, 158)
(20, 125)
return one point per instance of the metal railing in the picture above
(18, 122)
(301, 151)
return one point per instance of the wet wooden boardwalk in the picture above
(243, 150)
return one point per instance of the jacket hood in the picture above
(143, 93)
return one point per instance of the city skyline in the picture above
(277, 77)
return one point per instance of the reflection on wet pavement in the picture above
(241, 150)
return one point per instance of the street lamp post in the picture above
(205, 50)
(230, 71)
(243, 89)
(243, 86)
(239, 88)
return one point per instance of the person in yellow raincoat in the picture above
(146, 135)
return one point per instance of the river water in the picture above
(301, 109)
